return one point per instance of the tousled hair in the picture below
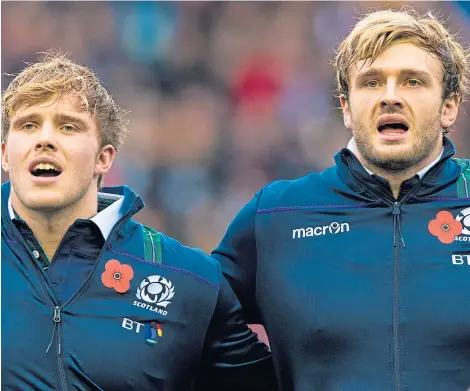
(378, 30)
(53, 76)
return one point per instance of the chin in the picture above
(394, 151)
(44, 201)
(395, 161)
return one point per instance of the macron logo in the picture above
(331, 229)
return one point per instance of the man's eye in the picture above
(68, 128)
(414, 82)
(28, 126)
(372, 84)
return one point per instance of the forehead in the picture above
(401, 56)
(68, 104)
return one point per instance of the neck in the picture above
(396, 178)
(49, 227)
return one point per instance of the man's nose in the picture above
(391, 97)
(46, 137)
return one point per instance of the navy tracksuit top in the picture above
(359, 291)
(117, 319)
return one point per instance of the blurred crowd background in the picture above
(224, 97)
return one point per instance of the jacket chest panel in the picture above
(326, 266)
(154, 331)
(434, 272)
(139, 339)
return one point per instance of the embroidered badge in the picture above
(117, 276)
(445, 227)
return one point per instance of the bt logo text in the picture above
(330, 229)
(458, 259)
(131, 325)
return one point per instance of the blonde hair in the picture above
(378, 30)
(55, 75)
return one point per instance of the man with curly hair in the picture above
(369, 260)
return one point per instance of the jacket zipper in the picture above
(57, 318)
(396, 292)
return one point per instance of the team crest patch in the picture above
(155, 292)
(464, 218)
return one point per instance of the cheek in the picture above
(83, 159)
(16, 155)
(361, 105)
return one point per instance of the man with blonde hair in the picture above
(93, 300)
(369, 261)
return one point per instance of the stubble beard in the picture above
(422, 147)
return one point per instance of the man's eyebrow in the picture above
(377, 72)
(421, 74)
(35, 117)
(371, 72)
(69, 118)
(24, 118)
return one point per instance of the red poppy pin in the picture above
(445, 227)
(117, 276)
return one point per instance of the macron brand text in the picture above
(321, 230)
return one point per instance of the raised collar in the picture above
(113, 204)
(443, 172)
(353, 148)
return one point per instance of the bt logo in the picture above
(152, 331)
(461, 259)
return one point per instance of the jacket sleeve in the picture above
(238, 257)
(233, 358)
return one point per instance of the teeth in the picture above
(45, 166)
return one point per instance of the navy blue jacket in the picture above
(176, 326)
(359, 291)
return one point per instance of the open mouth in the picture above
(45, 170)
(393, 128)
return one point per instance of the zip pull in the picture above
(397, 221)
(56, 318)
(396, 208)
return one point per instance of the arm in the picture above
(233, 357)
(238, 257)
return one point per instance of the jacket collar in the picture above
(442, 173)
(353, 148)
(114, 204)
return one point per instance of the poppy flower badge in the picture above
(445, 227)
(117, 276)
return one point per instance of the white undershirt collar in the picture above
(105, 220)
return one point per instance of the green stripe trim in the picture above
(463, 183)
(153, 245)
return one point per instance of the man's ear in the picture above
(450, 109)
(105, 159)
(346, 112)
(4, 157)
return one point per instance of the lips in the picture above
(45, 167)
